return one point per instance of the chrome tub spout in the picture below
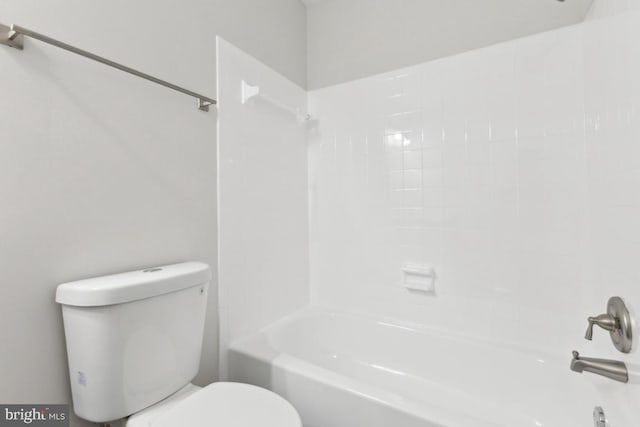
(612, 369)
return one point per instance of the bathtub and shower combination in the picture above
(381, 186)
(341, 369)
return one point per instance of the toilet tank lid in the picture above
(133, 285)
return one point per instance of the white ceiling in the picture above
(349, 39)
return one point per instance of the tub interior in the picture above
(426, 371)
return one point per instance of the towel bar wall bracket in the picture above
(13, 36)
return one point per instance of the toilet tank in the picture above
(133, 338)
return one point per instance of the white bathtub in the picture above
(346, 370)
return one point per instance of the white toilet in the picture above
(133, 344)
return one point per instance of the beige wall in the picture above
(101, 172)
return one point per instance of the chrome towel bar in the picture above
(13, 36)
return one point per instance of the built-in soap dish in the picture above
(419, 277)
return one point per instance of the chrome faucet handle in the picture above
(605, 321)
(617, 321)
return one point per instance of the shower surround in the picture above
(476, 164)
(514, 171)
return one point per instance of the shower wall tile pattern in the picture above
(514, 169)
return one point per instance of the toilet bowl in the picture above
(219, 404)
(133, 346)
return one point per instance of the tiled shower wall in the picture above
(513, 169)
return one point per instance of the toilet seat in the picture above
(227, 404)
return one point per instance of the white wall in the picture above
(101, 172)
(174, 40)
(514, 169)
(263, 237)
(350, 39)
